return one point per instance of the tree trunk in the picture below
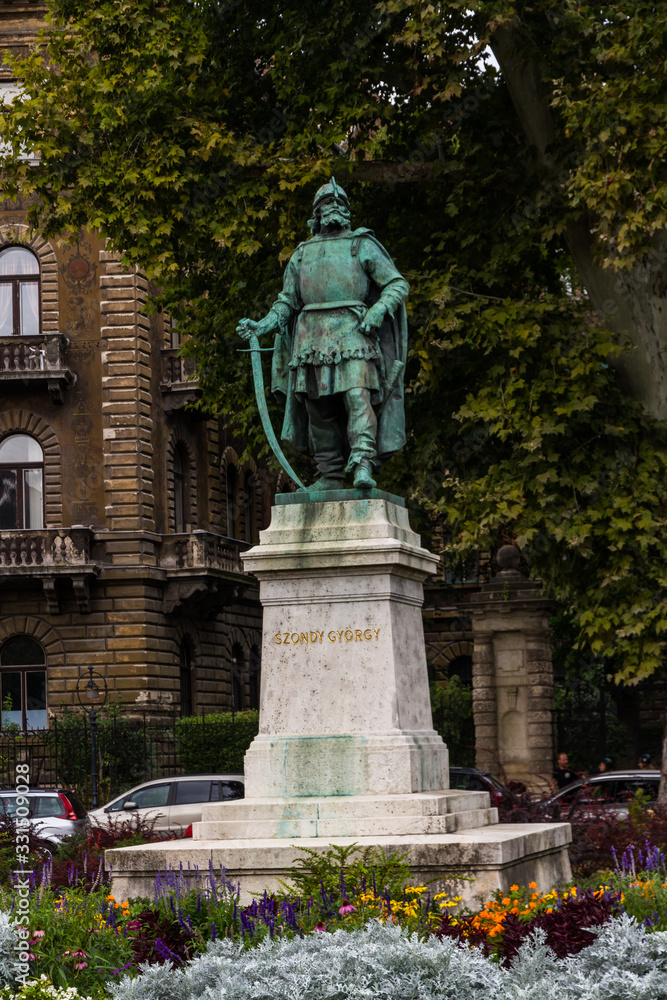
(632, 304)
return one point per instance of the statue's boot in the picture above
(325, 483)
(363, 480)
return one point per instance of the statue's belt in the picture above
(346, 304)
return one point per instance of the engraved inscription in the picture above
(318, 638)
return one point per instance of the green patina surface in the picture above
(340, 349)
(319, 496)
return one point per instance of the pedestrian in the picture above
(563, 774)
(644, 761)
(606, 764)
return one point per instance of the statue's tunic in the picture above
(329, 285)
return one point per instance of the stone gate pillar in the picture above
(513, 676)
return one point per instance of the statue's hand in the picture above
(246, 328)
(374, 318)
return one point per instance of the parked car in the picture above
(174, 803)
(610, 791)
(54, 812)
(472, 780)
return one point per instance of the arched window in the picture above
(21, 483)
(185, 664)
(232, 489)
(23, 682)
(180, 488)
(19, 292)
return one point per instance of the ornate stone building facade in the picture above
(122, 512)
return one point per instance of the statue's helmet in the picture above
(331, 191)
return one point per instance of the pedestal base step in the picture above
(495, 857)
(420, 813)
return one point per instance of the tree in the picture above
(525, 200)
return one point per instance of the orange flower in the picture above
(532, 885)
(514, 888)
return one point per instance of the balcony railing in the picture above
(178, 380)
(50, 555)
(204, 571)
(51, 548)
(176, 368)
(38, 359)
(202, 550)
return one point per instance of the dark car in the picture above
(611, 791)
(470, 779)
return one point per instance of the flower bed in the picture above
(170, 945)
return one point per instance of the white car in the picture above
(174, 803)
(53, 812)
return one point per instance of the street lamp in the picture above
(92, 695)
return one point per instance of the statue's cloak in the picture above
(393, 341)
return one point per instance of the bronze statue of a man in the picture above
(340, 348)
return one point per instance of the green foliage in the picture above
(124, 752)
(192, 136)
(348, 870)
(216, 743)
(77, 927)
(453, 719)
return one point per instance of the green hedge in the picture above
(216, 743)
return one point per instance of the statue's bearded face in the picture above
(335, 214)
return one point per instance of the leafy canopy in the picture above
(193, 135)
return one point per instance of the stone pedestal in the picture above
(513, 676)
(346, 744)
(346, 750)
(344, 704)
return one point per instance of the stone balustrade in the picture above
(31, 354)
(175, 368)
(37, 359)
(202, 550)
(49, 548)
(178, 380)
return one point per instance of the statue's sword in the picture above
(258, 378)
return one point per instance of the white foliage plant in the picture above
(381, 962)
